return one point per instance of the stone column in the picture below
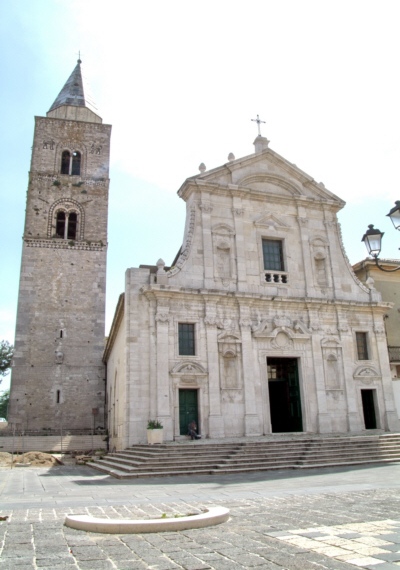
(354, 420)
(238, 213)
(389, 414)
(216, 422)
(206, 210)
(251, 419)
(163, 392)
(302, 220)
(323, 417)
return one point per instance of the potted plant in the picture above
(155, 432)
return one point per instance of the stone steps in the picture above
(249, 456)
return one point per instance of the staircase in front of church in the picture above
(207, 458)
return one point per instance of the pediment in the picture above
(188, 368)
(271, 221)
(366, 372)
(270, 184)
(266, 172)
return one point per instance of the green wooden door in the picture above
(294, 395)
(188, 410)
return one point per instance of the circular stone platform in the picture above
(211, 517)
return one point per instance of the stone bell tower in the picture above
(58, 375)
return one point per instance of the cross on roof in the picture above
(258, 121)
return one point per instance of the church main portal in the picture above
(284, 395)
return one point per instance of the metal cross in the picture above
(258, 121)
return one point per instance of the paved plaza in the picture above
(332, 519)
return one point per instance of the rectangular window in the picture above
(186, 339)
(273, 255)
(362, 346)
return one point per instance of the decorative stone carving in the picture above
(281, 321)
(49, 144)
(370, 282)
(190, 373)
(162, 278)
(238, 211)
(187, 243)
(205, 207)
(212, 321)
(367, 374)
(320, 253)
(302, 221)
(95, 148)
(282, 341)
(163, 317)
(59, 357)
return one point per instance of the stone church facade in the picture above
(259, 326)
(58, 378)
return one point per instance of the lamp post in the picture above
(373, 237)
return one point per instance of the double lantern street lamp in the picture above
(373, 237)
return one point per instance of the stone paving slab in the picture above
(277, 522)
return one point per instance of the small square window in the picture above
(273, 255)
(362, 346)
(186, 339)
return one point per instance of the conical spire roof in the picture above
(75, 92)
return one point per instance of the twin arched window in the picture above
(66, 225)
(71, 162)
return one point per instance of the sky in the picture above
(180, 82)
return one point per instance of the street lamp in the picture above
(373, 237)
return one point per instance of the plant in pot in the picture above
(155, 432)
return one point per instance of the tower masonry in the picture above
(58, 375)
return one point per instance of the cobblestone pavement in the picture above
(333, 519)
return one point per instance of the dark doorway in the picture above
(368, 404)
(284, 395)
(188, 410)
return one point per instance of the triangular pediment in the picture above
(267, 173)
(270, 221)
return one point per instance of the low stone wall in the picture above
(51, 443)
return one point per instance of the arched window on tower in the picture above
(66, 225)
(76, 163)
(60, 224)
(65, 162)
(72, 225)
(71, 163)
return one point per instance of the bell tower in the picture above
(58, 375)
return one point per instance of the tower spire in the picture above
(75, 92)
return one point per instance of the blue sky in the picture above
(180, 82)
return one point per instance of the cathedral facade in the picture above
(259, 326)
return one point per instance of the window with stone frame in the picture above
(273, 254)
(66, 224)
(362, 345)
(274, 265)
(71, 163)
(186, 339)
